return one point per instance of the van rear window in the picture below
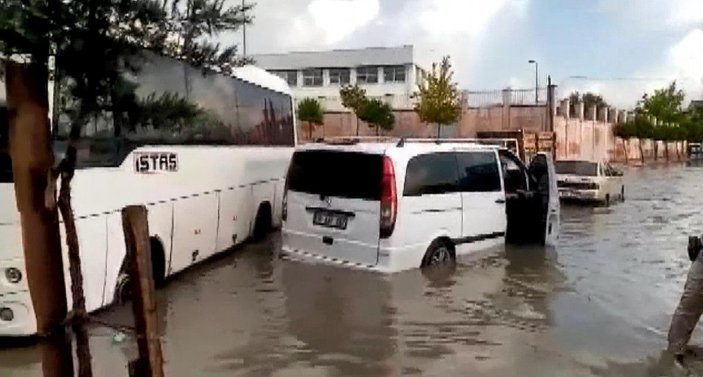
(338, 174)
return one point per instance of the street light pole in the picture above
(244, 30)
(536, 79)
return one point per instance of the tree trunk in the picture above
(378, 131)
(357, 124)
(439, 130)
(310, 131)
(656, 150)
(32, 160)
(79, 314)
(639, 142)
(624, 148)
(666, 150)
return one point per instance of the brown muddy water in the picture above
(599, 304)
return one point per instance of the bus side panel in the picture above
(92, 242)
(116, 254)
(194, 231)
(236, 207)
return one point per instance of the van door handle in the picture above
(500, 201)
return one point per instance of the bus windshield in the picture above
(577, 168)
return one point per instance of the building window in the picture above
(394, 74)
(367, 75)
(312, 77)
(339, 76)
(291, 77)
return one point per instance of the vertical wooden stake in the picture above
(136, 234)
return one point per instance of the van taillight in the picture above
(389, 199)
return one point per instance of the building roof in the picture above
(336, 58)
(258, 76)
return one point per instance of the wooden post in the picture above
(32, 159)
(136, 234)
(57, 360)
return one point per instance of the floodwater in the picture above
(599, 304)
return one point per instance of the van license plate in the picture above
(330, 219)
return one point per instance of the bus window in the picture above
(182, 105)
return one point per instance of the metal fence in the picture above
(488, 98)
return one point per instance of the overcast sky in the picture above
(490, 41)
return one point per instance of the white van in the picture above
(393, 206)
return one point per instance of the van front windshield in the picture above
(577, 168)
(337, 174)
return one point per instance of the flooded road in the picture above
(599, 304)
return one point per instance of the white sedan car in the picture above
(589, 181)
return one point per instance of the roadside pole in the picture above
(136, 233)
(32, 160)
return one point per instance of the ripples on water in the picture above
(598, 304)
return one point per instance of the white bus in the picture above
(209, 183)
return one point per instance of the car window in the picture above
(514, 176)
(577, 168)
(478, 172)
(434, 173)
(338, 174)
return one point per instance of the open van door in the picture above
(543, 171)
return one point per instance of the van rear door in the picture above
(333, 205)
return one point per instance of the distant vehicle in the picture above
(695, 152)
(208, 185)
(588, 181)
(523, 143)
(396, 205)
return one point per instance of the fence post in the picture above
(136, 234)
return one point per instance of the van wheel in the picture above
(263, 222)
(440, 253)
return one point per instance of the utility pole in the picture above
(244, 30)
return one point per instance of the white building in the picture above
(387, 73)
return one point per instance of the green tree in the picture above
(693, 122)
(377, 114)
(665, 104)
(311, 112)
(353, 98)
(439, 99)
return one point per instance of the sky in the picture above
(617, 48)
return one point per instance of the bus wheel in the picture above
(263, 222)
(123, 290)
